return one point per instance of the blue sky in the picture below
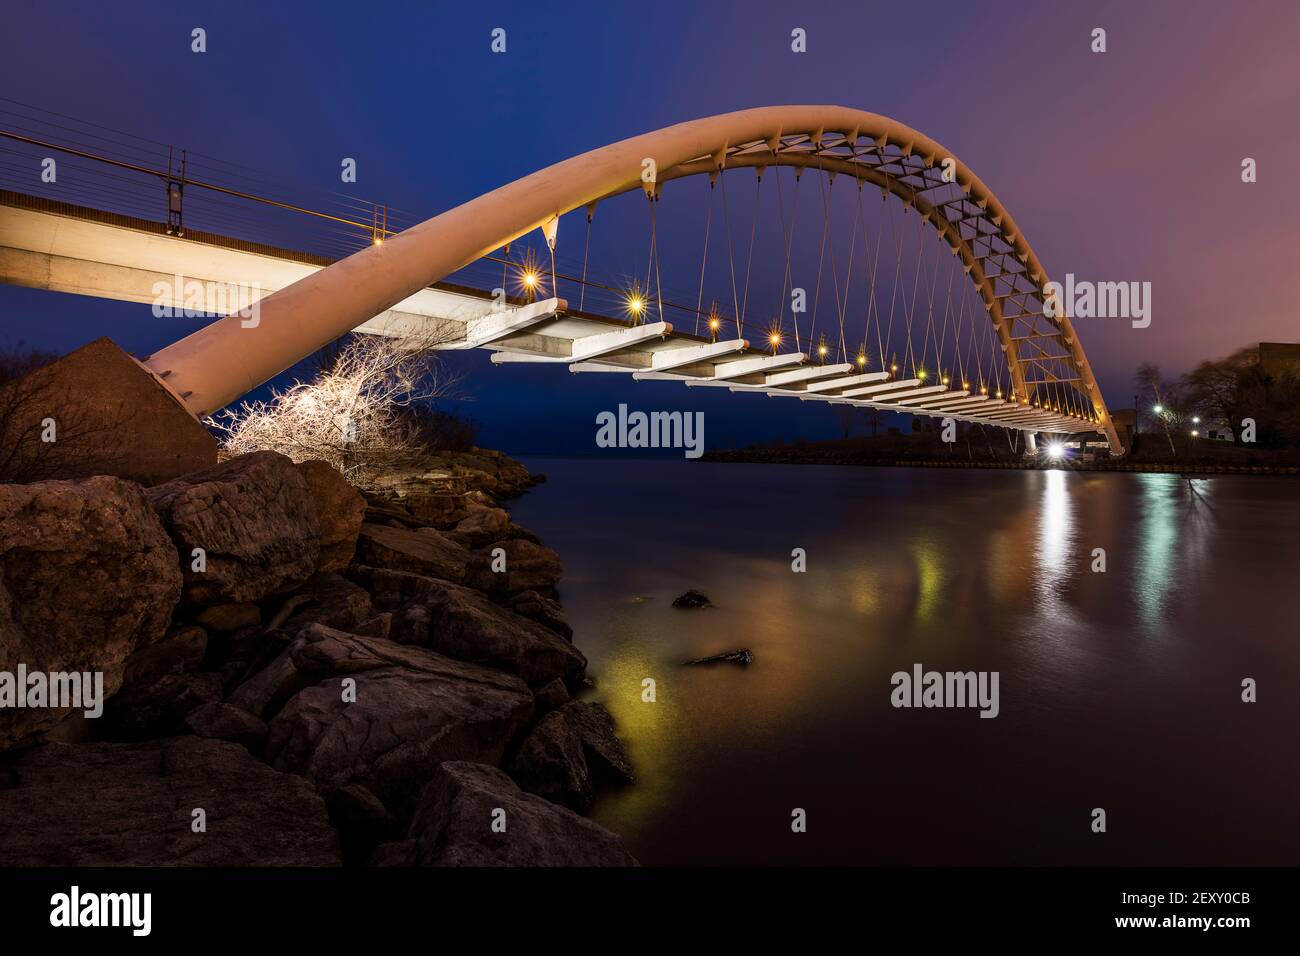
(1117, 166)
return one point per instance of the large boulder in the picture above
(482, 526)
(528, 566)
(87, 578)
(106, 804)
(453, 826)
(410, 710)
(340, 509)
(551, 764)
(422, 551)
(462, 623)
(254, 518)
(568, 751)
(332, 600)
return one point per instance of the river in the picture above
(1118, 689)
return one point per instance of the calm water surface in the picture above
(1119, 690)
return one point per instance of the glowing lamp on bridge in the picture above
(530, 279)
(635, 304)
(1055, 450)
(821, 351)
(1159, 409)
(862, 360)
(713, 323)
(774, 340)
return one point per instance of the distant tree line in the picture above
(1219, 395)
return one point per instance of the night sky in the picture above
(1120, 166)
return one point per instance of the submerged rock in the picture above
(453, 826)
(741, 656)
(132, 804)
(692, 599)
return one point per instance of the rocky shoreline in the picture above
(297, 673)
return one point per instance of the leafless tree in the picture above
(355, 413)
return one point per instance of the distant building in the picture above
(1125, 422)
(1280, 358)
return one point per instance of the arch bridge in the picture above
(1043, 382)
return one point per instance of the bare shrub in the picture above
(356, 413)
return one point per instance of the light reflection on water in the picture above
(1119, 689)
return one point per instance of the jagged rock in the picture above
(339, 509)
(412, 709)
(606, 755)
(551, 696)
(180, 650)
(88, 577)
(229, 617)
(254, 518)
(114, 804)
(481, 526)
(551, 764)
(422, 551)
(543, 610)
(568, 751)
(444, 510)
(528, 567)
(692, 599)
(157, 708)
(332, 600)
(462, 623)
(741, 656)
(452, 826)
(362, 820)
(227, 722)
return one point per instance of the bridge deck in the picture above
(70, 248)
